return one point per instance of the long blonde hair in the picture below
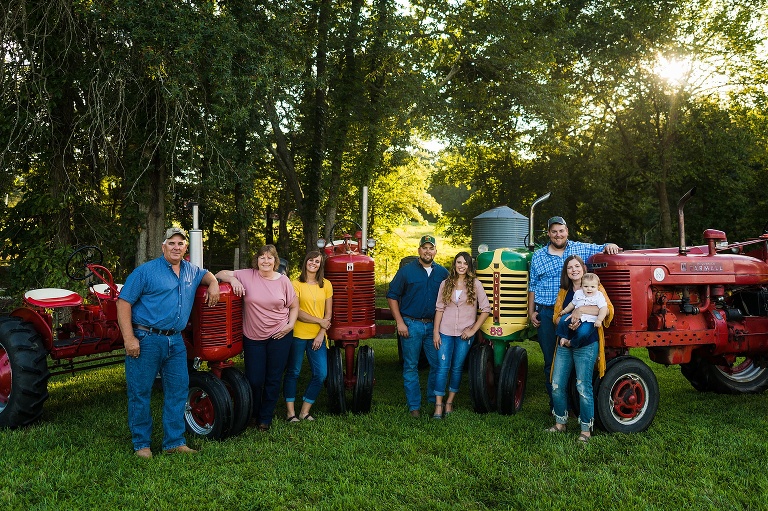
(453, 277)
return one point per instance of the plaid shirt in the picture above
(545, 269)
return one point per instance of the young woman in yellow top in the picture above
(315, 302)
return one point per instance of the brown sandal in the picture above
(448, 407)
(555, 429)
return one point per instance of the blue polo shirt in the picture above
(545, 269)
(159, 298)
(415, 291)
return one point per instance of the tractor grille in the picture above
(511, 302)
(354, 297)
(616, 284)
(221, 325)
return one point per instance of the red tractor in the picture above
(57, 332)
(703, 307)
(351, 271)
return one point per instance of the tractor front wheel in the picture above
(482, 378)
(628, 397)
(23, 373)
(209, 406)
(242, 398)
(363, 391)
(512, 380)
(337, 397)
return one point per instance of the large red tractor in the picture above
(56, 332)
(703, 307)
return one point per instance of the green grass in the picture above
(703, 451)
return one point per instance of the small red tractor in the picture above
(57, 332)
(351, 271)
(703, 307)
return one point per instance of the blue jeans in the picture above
(577, 337)
(450, 358)
(265, 363)
(419, 335)
(318, 361)
(547, 338)
(583, 359)
(168, 356)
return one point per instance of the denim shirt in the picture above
(159, 298)
(415, 291)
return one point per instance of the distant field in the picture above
(405, 242)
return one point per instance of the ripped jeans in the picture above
(583, 359)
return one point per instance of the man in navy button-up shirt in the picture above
(412, 297)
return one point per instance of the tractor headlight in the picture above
(371, 243)
(481, 248)
(321, 243)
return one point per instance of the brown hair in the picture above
(266, 249)
(312, 254)
(565, 282)
(453, 277)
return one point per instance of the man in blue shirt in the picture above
(412, 297)
(152, 310)
(546, 266)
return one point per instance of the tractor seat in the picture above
(102, 290)
(50, 297)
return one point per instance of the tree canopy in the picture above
(116, 115)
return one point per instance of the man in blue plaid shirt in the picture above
(546, 265)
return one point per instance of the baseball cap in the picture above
(555, 220)
(173, 231)
(427, 239)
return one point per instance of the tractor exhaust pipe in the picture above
(195, 239)
(531, 244)
(682, 250)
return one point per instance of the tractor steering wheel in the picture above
(78, 263)
(343, 222)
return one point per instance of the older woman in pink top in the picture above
(270, 312)
(456, 322)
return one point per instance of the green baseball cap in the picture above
(427, 239)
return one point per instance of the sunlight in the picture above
(675, 71)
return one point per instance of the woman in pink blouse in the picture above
(270, 309)
(456, 322)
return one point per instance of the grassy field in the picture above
(703, 451)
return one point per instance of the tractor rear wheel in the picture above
(627, 397)
(209, 406)
(242, 398)
(482, 378)
(337, 393)
(363, 392)
(512, 380)
(23, 373)
(740, 375)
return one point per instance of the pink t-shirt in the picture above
(458, 314)
(266, 303)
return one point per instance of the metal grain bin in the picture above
(500, 227)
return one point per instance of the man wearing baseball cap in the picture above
(546, 265)
(412, 297)
(152, 310)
